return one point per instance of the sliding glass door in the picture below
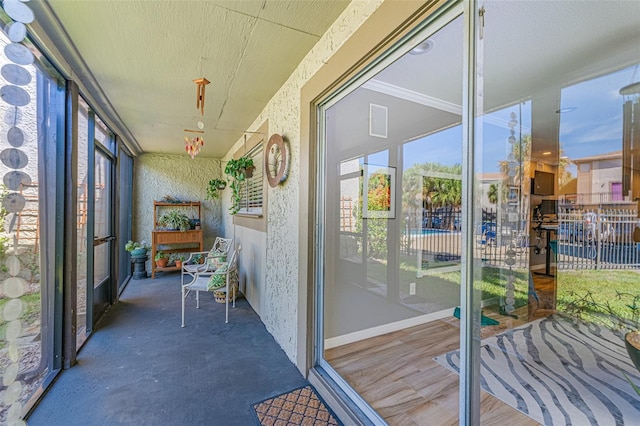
(103, 232)
(558, 131)
(478, 191)
(392, 198)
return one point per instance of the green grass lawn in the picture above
(602, 287)
(445, 286)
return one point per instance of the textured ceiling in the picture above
(146, 54)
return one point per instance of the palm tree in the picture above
(493, 193)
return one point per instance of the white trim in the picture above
(412, 96)
(440, 270)
(356, 336)
(430, 101)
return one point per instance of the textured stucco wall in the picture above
(157, 175)
(279, 300)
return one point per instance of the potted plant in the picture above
(162, 259)
(175, 219)
(137, 248)
(177, 258)
(215, 185)
(237, 171)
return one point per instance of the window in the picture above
(253, 188)
(585, 167)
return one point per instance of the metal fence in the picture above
(585, 239)
(597, 239)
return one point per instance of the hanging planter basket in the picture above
(247, 171)
(237, 171)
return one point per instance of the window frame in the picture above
(252, 189)
(254, 221)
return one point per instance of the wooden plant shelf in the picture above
(194, 237)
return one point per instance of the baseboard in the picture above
(356, 336)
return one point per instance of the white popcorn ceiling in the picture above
(145, 54)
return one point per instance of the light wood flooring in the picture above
(396, 374)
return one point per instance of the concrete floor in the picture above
(140, 367)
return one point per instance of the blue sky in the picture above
(592, 126)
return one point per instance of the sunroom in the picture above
(450, 231)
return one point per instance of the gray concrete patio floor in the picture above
(140, 367)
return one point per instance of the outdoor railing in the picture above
(597, 239)
(585, 239)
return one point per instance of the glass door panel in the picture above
(83, 241)
(555, 135)
(103, 232)
(125, 194)
(392, 252)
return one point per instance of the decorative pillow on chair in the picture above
(216, 261)
(215, 258)
(218, 280)
(217, 254)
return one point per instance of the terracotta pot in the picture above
(179, 264)
(633, 351)
(162, 263)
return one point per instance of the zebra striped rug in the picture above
(559, 373)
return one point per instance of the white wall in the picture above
(603, 178)
(252, 266)
(277, 283)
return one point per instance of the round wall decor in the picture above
(277, 160)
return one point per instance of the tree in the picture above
(493, 193)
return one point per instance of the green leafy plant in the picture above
(215, 185)
(134, 245)
(620, 313)
(177, 256)
(175, 219)
(161, 255)
(236, 171)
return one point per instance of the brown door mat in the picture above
(300, 406)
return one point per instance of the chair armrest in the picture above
(215, 255)
(204, 253)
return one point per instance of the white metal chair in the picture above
(201, 282)
(219, 250)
